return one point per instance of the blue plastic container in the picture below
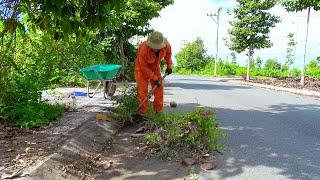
(78, 93)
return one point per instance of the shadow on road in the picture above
(204, 86)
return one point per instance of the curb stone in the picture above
(90, 137)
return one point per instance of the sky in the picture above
(187, 19)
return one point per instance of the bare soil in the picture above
(129, 160)
(23, 148)
(312, 84)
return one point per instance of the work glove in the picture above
(156, 83)
(168, 71)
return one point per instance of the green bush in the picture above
(127, 104)
(34, 64)
(192, 55)
(32, 114)
(195, 130)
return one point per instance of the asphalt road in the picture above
(271, 134)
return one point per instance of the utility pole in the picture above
(216, 18)
(295, 45)
(305, 50)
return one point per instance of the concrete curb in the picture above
(90, 137)
(291, 90)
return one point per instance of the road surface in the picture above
(271, 134)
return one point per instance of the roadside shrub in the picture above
(28, 115)
(195, 131)
(126, 103)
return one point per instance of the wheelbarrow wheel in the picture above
(110, 89)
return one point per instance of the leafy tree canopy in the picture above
(251, 27)
(300, 5)
(192, 56)
(61, 17)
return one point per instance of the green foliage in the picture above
(300, 5)
(233, 58)
(42, 41)
(290, 50)
(251, 28)
(153, 138)
(226, 68)
(192, 56)
(28, 115)
(258, 63)
(195, 130)
(127, 104)
(272, 64)
(313, 68)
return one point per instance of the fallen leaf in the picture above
(106, 164)
(206, 155)
(154, 146)
(21, 161)
(184, 134)
(102, 117)
(27, 150)
(192, 126)
(207, 166)
(31, 161)
(143, 129)
(31, 143)
(188, 161)
(18, 156)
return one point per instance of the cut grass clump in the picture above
(194, 132)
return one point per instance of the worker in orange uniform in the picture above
(147, 69)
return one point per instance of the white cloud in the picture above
(187, 19)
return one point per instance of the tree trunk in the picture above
(248, 65)
(305, 50)
(122, 55)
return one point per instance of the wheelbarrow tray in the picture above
(101, 72)
(105, 74)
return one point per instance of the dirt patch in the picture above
(129, 160)
(23, 148)
(312, 84)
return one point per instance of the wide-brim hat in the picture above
(156, 40)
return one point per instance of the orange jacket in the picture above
(148, 64)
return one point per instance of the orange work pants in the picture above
(142, 85)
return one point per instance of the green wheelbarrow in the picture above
(105, 74)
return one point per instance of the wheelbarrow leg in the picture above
(108, 88)
(90, 95)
